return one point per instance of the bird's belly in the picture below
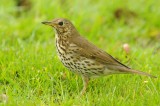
(82, 65)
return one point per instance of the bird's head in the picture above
(61, 25)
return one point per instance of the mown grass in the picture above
(31, 73)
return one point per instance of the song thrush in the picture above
(82, 57)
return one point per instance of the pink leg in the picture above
(85, 84)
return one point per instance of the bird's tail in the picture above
(141, 73)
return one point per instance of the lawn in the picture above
(31, 73)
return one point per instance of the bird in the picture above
(82, 57)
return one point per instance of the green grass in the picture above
(32, 74)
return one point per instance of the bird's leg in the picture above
(85, 84)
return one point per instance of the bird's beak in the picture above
(50, 23)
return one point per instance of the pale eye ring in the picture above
(60, 23)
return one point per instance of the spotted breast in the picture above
(74, 62)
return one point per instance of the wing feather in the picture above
(89, 50)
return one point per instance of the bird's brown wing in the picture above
(89, 50)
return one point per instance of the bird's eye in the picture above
(60, 23)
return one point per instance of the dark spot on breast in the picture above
(75, 60)
(83, 64)
(86, 61)
(101, 72)
(78, 63)
(71, 63)
(67, 59)
(93, 57)
(84, 67)
(94, 72)
(74, 65)
(93, 64)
